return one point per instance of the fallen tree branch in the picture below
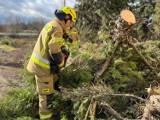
(99, 93)
(96, 91)
(111, 111)
(103, 68)
(143, 58)
(87, 113)
(93, 110)
(127, 95)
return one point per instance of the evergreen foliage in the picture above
(157, 18)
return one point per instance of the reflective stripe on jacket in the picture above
(40, 61)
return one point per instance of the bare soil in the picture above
(11, 67)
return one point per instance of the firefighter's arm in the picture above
(73, 37)
(55, 44)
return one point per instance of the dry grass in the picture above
(7, 48)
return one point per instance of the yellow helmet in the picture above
(70, 11)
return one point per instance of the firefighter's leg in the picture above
(44, 112)
(45, 89)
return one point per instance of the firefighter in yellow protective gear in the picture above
(49, 56)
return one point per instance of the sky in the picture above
(31, 9)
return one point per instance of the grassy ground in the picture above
(12, 52)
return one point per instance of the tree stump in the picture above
(152, 109)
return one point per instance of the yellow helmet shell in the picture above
(69, 10)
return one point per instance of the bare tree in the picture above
(13, 24)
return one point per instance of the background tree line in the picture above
(15, 24)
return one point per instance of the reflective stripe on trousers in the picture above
(40, 61)
(46, 116)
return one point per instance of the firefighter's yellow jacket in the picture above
(49, 42)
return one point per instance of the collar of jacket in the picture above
(62, 24)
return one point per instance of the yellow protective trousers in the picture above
(45, 88)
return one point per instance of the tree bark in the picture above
(111, 111)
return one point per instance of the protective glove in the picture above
(67, 38)
(54, 67)
(56, 62)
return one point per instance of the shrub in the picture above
(72, 77)
(19, 102)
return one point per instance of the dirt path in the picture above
(10, 77)
(11, 66)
